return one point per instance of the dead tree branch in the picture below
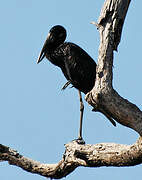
(103, 97)
(103, 154)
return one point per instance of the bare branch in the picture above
(55, 171)
(103, 154)
(103, 97)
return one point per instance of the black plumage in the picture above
(77, 66)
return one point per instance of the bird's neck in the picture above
(54, 56)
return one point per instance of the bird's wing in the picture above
(77, 62)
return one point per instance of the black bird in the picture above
(77, 66)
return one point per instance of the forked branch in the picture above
(103, 97)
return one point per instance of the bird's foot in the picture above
(80, 140)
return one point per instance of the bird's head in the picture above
(56, 36)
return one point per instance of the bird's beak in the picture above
(41, 55)
(43, 51)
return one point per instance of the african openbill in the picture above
(77, 66)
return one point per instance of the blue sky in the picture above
(37, 118)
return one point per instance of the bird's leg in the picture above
(66, 85)
(80, 139)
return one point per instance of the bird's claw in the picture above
(79, 140)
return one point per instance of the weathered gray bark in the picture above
(104, 99)
(103, 154)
